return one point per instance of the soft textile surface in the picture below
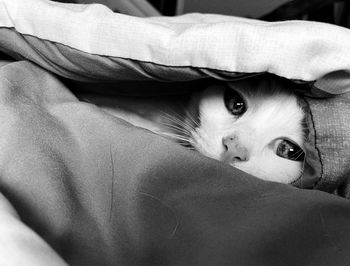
(331, 123)
(90, 42)
(19, 245)
(102, 192)
(138, 8)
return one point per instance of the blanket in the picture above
(99, 191)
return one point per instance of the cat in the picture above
(255, 124)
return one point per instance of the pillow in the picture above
(91, 43)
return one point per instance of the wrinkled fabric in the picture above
(331, 122)
(114, 47)
(19, 244)
(102, 192)
(90, 42)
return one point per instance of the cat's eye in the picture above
(234, 102)
(289, 150)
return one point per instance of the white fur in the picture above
(269, 117)
(272, 114)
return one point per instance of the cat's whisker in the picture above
(175, 117)
(177, 136)
(180, 138)
(192, 119)
(174, 126)
(178, 129)
(172, 118)
(179, 122)
(186, 142)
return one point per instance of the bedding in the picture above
(19, 244)
(102, 192)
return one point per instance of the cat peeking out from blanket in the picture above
(254, 124)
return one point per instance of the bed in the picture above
(81, 187)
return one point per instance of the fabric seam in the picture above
(316, 142)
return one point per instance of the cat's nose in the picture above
(235, 151)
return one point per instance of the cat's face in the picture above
(254, 126)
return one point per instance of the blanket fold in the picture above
(91, 43)
(102, 192)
